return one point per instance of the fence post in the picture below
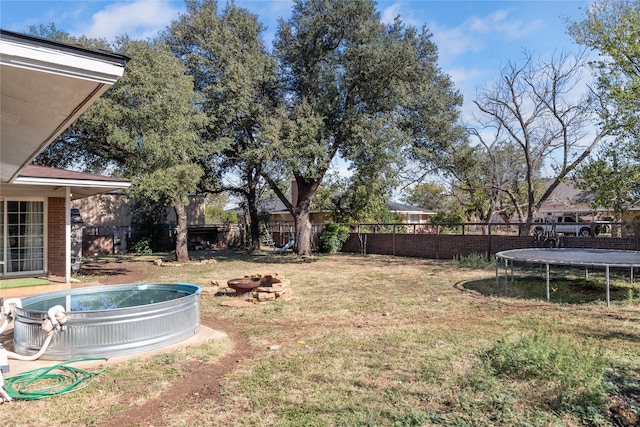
(489, 249)
(394, 239)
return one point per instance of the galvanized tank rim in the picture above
(111, 332)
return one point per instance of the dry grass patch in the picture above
(386, 341)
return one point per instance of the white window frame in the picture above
(5, 237)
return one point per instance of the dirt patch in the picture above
(199, 381)
(112, 273)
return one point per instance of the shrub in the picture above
(574, 375)
(332, 237)
(142, 246)
(474, 260)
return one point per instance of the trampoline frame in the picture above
(599, 258)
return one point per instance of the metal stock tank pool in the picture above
(109, 321)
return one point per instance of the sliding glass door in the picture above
(2, 243)
(22, 236)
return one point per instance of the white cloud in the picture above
(390, 13)
(403, 9)
(465, 76)
(476, 34)
(453, 42)
(139, 19)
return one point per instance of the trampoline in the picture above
(597, 258)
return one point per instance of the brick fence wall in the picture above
(447, 246)
(56, 236)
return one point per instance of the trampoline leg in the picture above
(608, 294)
(506, 275)
(586, 273)
(548, 294)
(511, 271)
(497, 266)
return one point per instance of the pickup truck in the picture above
(567, 225)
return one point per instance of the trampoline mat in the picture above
(574, 256)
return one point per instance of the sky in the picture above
(475, 39)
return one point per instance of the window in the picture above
(415, 218)
(1, 237)
(22, 248)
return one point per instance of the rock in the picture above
(266, 296)
(158, 262)
(220, 283)
(210, 290)
(286, 294)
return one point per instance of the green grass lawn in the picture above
(25, 281)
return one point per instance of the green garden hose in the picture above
(46, 382)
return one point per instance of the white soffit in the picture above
(55, 61)
(44, 87)
(27, 180)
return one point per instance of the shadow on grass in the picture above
(264, 257)
(96, 269)
(562, 290)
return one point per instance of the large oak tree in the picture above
(354, 88)
(236, 79)
(146, 128)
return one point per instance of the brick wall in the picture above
(56, 232)
(446, 246)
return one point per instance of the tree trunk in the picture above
(252, 178)
(300, 209)
(303, 233)
(182, 250)
(301, 216)
(254, 227)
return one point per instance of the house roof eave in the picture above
(45, 86)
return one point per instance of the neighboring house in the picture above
(44, 87)
(411, 214)
(280, 214)
(569, 200)
(114, 210)
(107, 222)
(408, 214)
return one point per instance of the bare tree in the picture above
(537, 108)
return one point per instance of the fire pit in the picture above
(244, 285)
